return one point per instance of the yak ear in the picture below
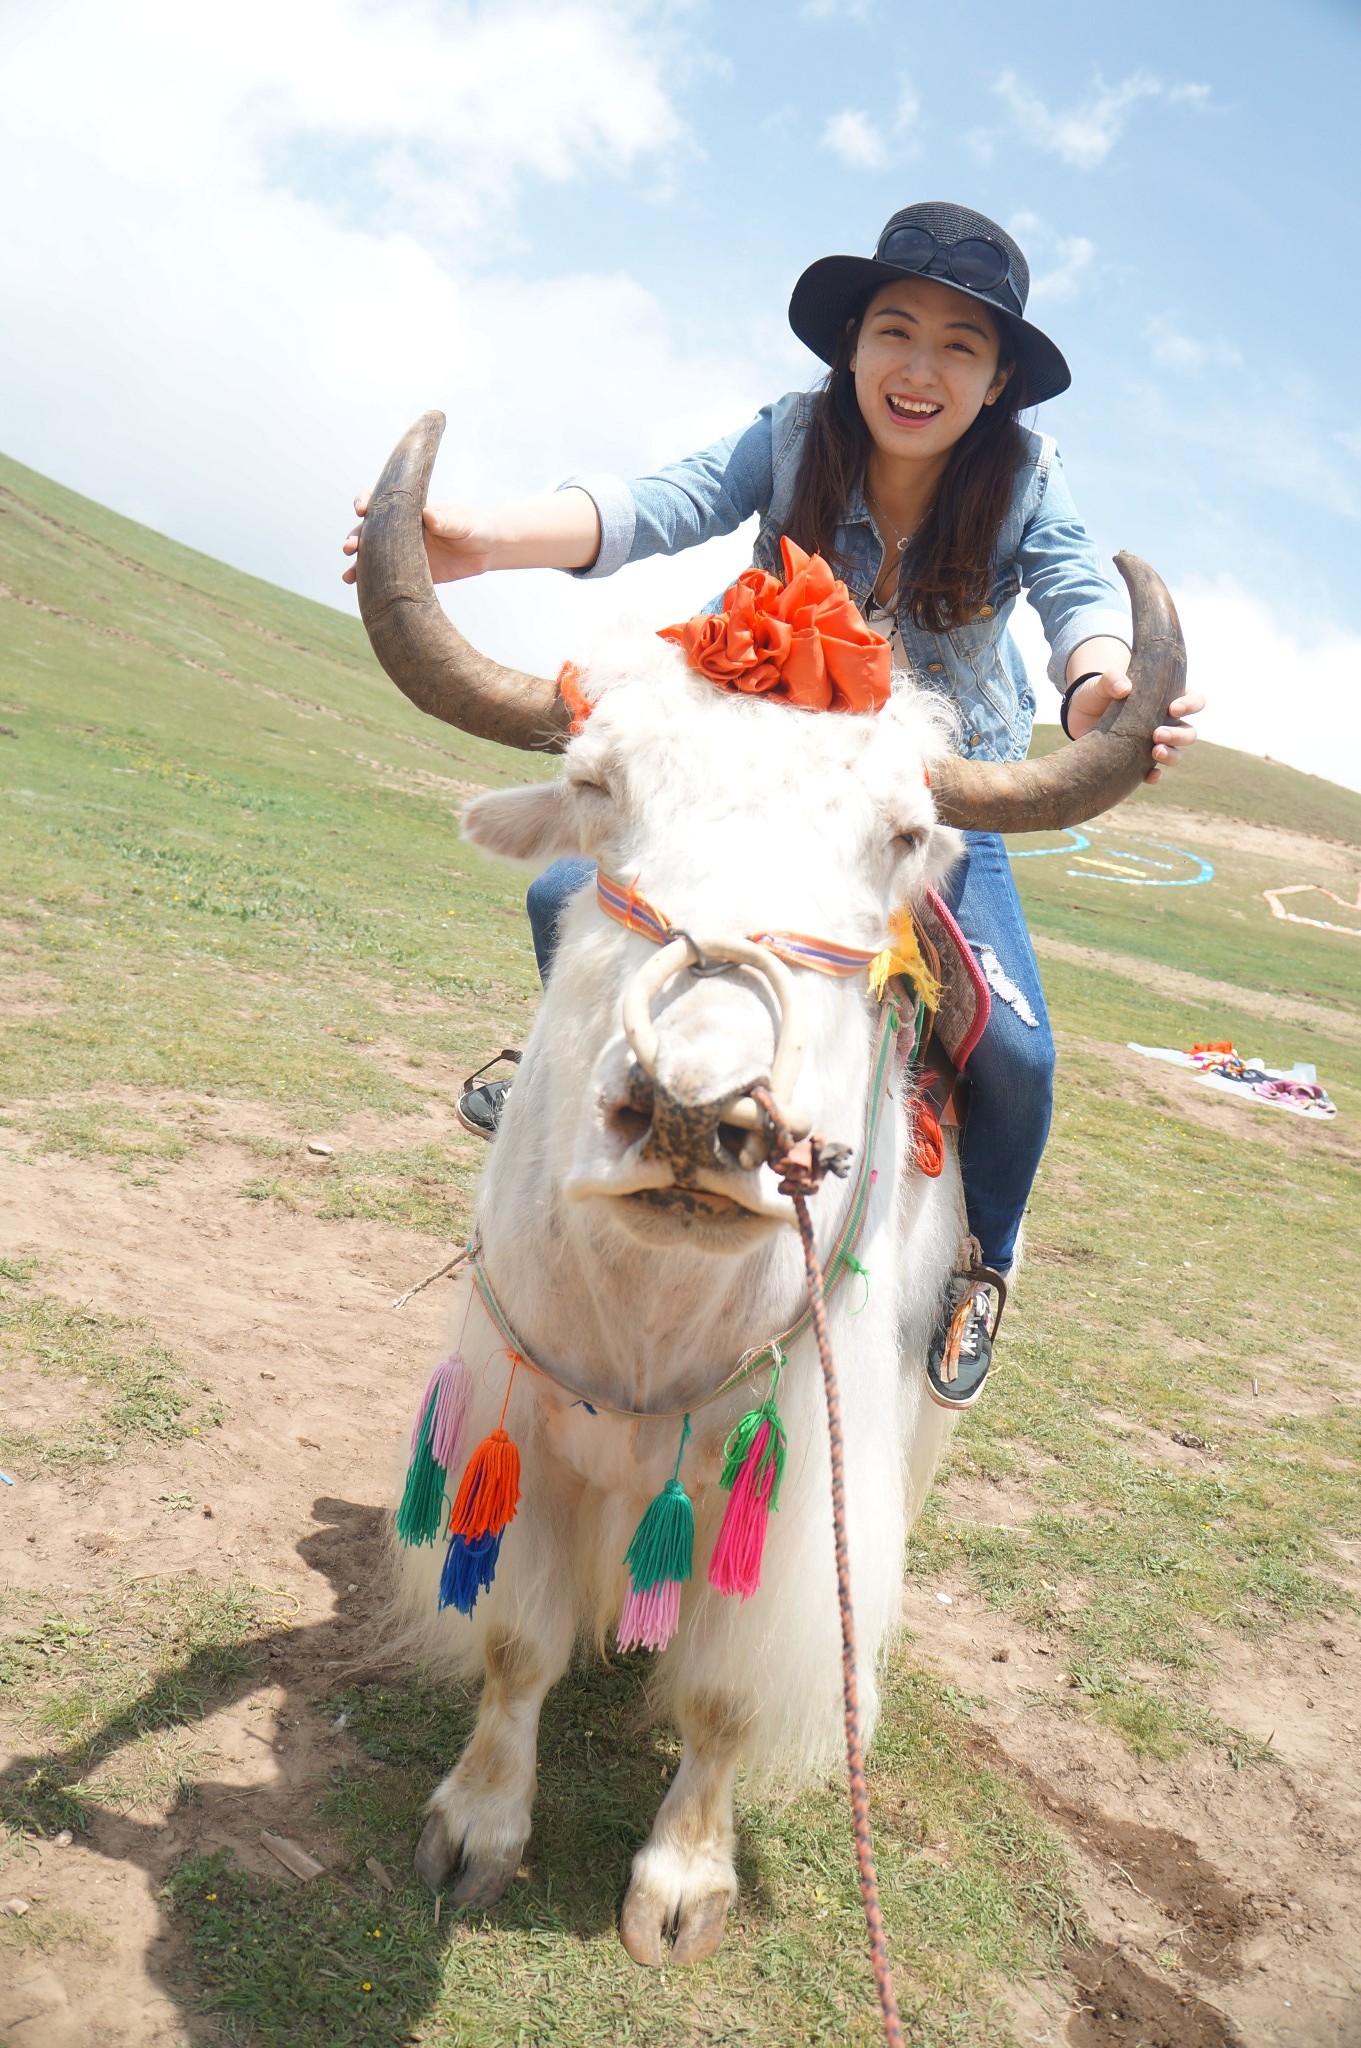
(535, 823)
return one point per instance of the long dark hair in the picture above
(948, 569)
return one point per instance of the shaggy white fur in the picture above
(731, 816)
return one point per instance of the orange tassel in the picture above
(490, 1490)
(928, 1143)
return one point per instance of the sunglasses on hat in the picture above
(977, 264)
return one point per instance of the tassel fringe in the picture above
(752, 1470)
(436, 1441)
(469, 1568)
(660, 1559)
(650, 1619)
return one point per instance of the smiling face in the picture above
(926, 362)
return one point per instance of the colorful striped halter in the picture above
(622, 902)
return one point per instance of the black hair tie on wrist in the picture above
(1092, 676)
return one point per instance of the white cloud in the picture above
(853, 137)
(1258, 669)
(836, 10)
(1085, 134)
(1178, 351)
(202, 331)
(907, 115)
(1070, 261)
(1058, 263)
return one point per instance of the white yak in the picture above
(632, 1238)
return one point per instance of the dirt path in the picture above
(1221, 1900)
(290, 1322)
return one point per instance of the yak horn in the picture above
(427, 656)
(1106, 764)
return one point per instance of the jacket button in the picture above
(933, 668)
(975, 739)
(985, 611)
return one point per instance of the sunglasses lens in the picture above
(910, 248)
(977, 263)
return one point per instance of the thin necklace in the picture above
(901, 543)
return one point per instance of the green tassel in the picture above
(740, 1442)
(853, 1265)
(663, 1545)
(420, 1518)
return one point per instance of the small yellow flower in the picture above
(377, 1933)
(210, 1897)
(366, 1987)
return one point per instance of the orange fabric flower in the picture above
(805, 643)
(573, 696)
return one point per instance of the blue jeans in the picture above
(1011, 1069)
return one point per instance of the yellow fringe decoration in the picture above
(903, 955)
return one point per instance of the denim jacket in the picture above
(1043, 546)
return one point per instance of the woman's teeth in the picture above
(913, 408)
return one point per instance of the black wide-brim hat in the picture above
(835, 287)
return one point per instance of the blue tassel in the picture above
(469, 1568)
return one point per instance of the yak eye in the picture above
(908, 840)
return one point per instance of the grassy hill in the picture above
(1250, 787)
(232, 874)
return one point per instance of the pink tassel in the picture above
(735, 1566)
(650, 1619)
(450, 1387)
(452, 1403)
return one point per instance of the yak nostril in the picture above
(631, 1125)
(733, 1144)
(630, 1118)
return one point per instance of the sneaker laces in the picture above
(977, 1325)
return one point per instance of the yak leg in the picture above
(683, 1878)
(478, 1821)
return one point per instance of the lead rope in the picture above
(802, 1170)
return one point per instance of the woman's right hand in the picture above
(459, 541)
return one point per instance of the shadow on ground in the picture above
(344, 1958)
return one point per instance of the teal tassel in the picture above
(420, 1518)
(663, 1545)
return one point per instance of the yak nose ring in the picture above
(681, 951)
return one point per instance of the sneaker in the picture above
(480, 1109)
(961, 1345)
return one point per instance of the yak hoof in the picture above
(434, 1858)
(698, 1931)
(480, 1882)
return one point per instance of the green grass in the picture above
(96, 1685)
(118, 1383)
(424, 1187)
(1250, 787)
(974, 1889)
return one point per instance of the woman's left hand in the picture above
(1095, 698)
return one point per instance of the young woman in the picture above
(909, 471)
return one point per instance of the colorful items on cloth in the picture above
(488, 1493)
(824, 956)
(802, 643)
(965, 1001)
(753, 1466)
(903, 955)
(660, 1559)
(1220, 1066)
(436, 1441)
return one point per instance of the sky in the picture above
(244, 248)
